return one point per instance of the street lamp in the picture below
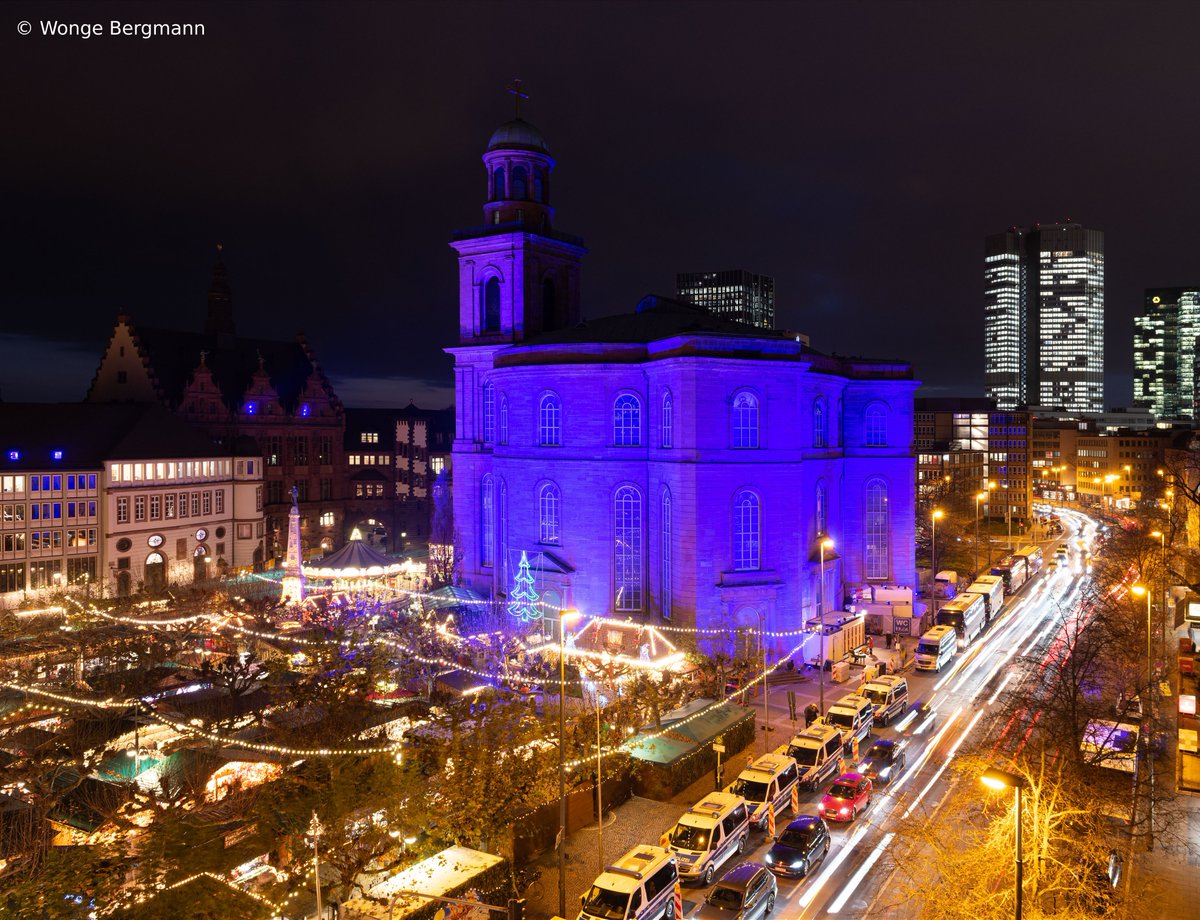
(825, 544)
(999, 779)
(933, 558)
(1147, 725)
(762, 641)
(978, 498)
(564, 617)
(316, 829)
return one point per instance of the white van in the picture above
(888, 694)
(711, 831)
(854, 715)
(767, 780)
(936, 648)
(816, 751)
(638, 886)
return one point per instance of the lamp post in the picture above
(316, 829)
(1148, 724)
(937, 513)
(564, 617)
(826, 543)
(999, 779)
(599, 792)
(978, 498)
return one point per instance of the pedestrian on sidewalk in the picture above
(810, 714)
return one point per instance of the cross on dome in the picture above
(514, 89)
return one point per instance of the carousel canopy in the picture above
(354, 560)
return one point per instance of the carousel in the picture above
(356, 568)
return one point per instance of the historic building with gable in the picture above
(665, 463)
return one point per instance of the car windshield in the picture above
(750, 790)
(727, 898)
(606, 903)
(880, 753)
(841, 791)
(844, 719)
(878, 697)
(927, 648)
(687, 837)
(805, 756)
(798, 837)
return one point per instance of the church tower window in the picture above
(491, 305)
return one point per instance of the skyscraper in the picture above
(1165, 341)
(1044, 317)
(738, 295)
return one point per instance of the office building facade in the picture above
(1166, 339)
(739, 295)
(1044, 317)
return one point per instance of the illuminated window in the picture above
(550, 421)
(746, 531)
(875, 426)
(627, 421)
(487, 523)
(627, 532)
(327, 519)
(549, 505)
(668, 422)
(745, 419)
(876, 527)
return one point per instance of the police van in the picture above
(638, 886)
(853, 714)
(816, 751)
(768, 780)
(709, 832)
(888, 694)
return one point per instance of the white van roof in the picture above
(886, 680)
(627, 872)
(767, 766)
(935, 634)
(713, 805)
(852, 701)
(816, 734)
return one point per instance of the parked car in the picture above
(884, 761)
(801, 847)
(849, 795)
(747, 892)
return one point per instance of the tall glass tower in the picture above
(1044, 317)
(738, 295)
(1166, 339)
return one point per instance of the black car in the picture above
(800, 848)
(919, 719)
(884, 761)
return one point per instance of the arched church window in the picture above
(503, 419)
(876, 527)
(627, 421)
(487, 522)
(498, 183)
(520, 179)
(549, 505)
(875, 433)
(746, 531)
(489, 413)
(627, 531)
(820, 436)
(550, 421)
(745, 419)
(491, 305)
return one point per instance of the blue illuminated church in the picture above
(664, 464)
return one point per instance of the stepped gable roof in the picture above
(88, 434)
(174, 355)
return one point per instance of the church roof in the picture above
(174, 355)
(353, 560)
(520, 134)
(701, 332)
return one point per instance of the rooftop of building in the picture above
(518, 134)
(46, 436)
(657, 320)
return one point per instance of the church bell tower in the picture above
(518, 276)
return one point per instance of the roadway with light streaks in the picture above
(855, 879)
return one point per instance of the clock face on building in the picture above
(154, 540)
(201, 534)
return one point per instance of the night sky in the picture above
(858, 152)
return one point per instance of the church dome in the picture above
(518, 134)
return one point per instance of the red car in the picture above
(850, 794)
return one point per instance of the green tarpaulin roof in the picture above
(684, 731)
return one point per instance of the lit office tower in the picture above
(738, 295)
(1166, 339)
(1044, 317)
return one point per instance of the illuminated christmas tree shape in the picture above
(523, 602)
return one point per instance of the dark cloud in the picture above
(859, 152)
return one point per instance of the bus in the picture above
(991, 589)
(1033, 558)
(1014, 571)
(967, 613)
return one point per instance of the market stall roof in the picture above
(354, 560)
(684, 730)
(453, 596)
